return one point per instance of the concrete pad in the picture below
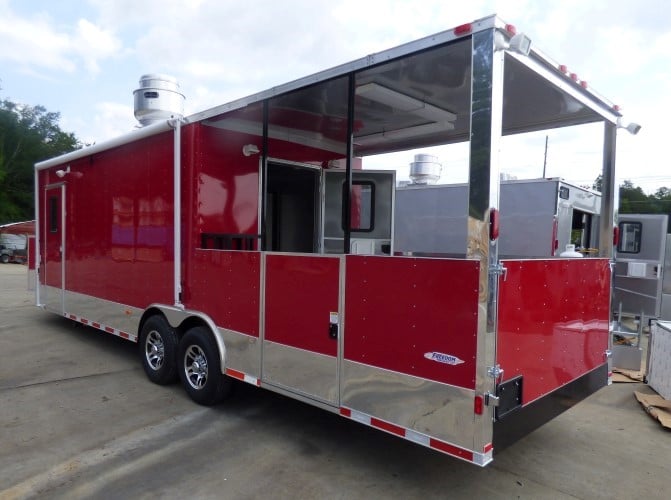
(78, 419)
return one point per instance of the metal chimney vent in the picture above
(158, 98)
(425, 169)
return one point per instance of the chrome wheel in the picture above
(157, 347)
(154, 350)
(199, 363)
(195, 367)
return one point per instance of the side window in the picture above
(362, 206)
(53, 214)
(630, 237)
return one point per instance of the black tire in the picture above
(200, 368)
(158, 350)
(4, 258)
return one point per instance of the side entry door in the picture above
(639, 264)
(372, 212)
(52, 268)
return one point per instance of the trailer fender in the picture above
(176, 317)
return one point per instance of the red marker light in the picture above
(616, 236)
(510, 28)
(574, 77)
(563, 68)
(555, 241)
(478, 405)
(463, 29)
(493, 224)
(583, 84)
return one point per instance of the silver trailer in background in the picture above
(642, 280)
(641, 283)
(538, 218)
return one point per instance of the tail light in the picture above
(493, 224)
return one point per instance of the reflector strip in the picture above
(104, 328)
(488, 447)
(243, 376)
(386, 426)
(418, 437)
(451, 449)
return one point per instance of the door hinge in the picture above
(495, 371)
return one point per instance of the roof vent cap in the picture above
(158, 98)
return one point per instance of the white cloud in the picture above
(38, 43)
(224, 50)
(33, 42)
(93, 43)
(108, 120)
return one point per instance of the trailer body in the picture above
(642, 280)
(247, 242)
(13, 248)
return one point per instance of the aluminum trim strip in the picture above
(243, 352)
(304, 372)
(435, 409)
(141, 133)
(418, 437)
(103, 312)
(101, 327)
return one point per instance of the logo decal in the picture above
(448, 359)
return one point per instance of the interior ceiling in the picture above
(439, 77)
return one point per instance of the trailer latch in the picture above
(499, 269)
(491, 400)
(333, 325)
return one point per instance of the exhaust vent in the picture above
(425, 169)
(157, 99)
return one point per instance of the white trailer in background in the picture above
(538, 218)
(642, 279)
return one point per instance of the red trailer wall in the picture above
(119, 210)
(399, 310)
(301, 292)
(553, 321)
(226, 285)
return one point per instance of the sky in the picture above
(83, 59)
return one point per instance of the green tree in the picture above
(28, 134)
(598, 183)
(633, 200)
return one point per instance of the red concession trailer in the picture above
(248, 242)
